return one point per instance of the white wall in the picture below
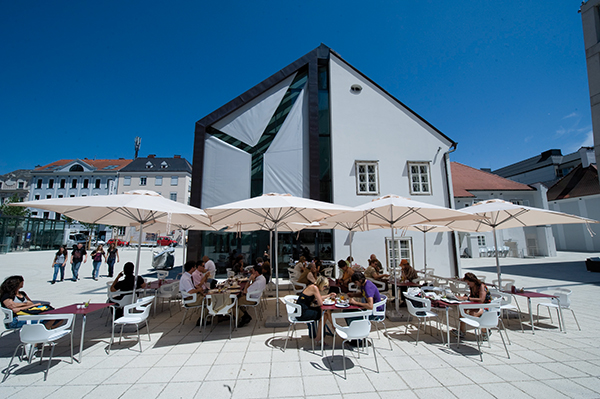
(575, 237)
(371, 126)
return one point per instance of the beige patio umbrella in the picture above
(498, 214)
(427, 228)
(272, 210)
(393, 211)
(134, 208)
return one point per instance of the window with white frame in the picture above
(173, 196)
(481, 241)
(127, 180)
(367, 177)
(143, 180)
(403, 251)
(174, 180)
(158, 181)
(419, 177)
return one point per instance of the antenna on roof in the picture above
(138, 143)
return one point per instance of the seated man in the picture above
(186, 284)
(258, 283)
(198, 276)
(346, 277)
(126, 284)
(210, 266)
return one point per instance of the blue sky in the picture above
(83, 78)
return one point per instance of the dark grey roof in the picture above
(172, 165)
(23, 174)
(546, 158)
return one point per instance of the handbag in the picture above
(35, 310)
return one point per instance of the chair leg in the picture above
(49, 361)
(504, 328)
(375, 355)
(148, 330)
(344, 357)
(503, 343)
(137, 328)
(121, 334)
(573, 313)
(21, 345)
(478, 334)
(71, 334)
(286, 338)
(183, 319)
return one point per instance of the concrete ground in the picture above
(174, 364)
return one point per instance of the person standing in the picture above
(97, 255)
(112, 255)
(78, 255)
(60, 261)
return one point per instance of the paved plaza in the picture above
(174, 364)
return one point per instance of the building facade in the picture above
(321, 129)
(74, 178)
(170, 177)
(473, 185)
(15, 184)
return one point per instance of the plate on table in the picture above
(328, 302)
(342, 305)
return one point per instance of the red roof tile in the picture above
(577, 183)
(466, 179)
(99, 164)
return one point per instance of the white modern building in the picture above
(74, 178)
(473, 185)
(321, 129)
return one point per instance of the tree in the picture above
(7, 210)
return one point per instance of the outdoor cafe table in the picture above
(441, 304)
(533, 294)
(325, 308)
(76, 309)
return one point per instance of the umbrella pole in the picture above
(425, 250)
(497, 260)
(184, 231)
(397, 300)
(137, 263)
(276, 276)
(351, 238)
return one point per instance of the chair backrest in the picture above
(380, 314)
(38, 333)
(458, 287)
(328, 272)
(352, 287)
(346, 315)
(564, 295)
(254, 296)
(142, 306)
(293, 309)
(481, 278)
(507, 284)
(412, 305)
(358, 329)
(162, 274)
(8, 315)
(187, 298)
(489, 318)
(224, 310)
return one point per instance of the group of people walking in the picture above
(79, 255)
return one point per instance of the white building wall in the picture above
(165, 189)
(576, 237)
(371, 126)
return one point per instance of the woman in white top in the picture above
(59, 263)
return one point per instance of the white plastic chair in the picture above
(356, 330)
(187, 301)
(225, 311)
(352, 287)
(162, 274)
(298, 287)
(328, 272)
(488, 320)
(422, 313)
(482, 252)
(459, 287)
(293, 312)
(8, 318)
(379, 284)
(507, 305)
(507, 284)
(168, 293)
(379, 317)
(564, 296)
(33, 334)
(135, 313)
(255, 297)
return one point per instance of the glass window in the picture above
(173, 196)
(39, 183)
(74, 183)
(143, 181)
(46, 215)
(21, 184)
(127, 180)
(63, 183)
(367, 177)
(97, 183)
(51, 183)
(158, 181)
(174, 180)
(403, 251)
(418, 174)
(86, 183)
(481, 241)
(48, 196)
(36, 197)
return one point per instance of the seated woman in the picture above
(408, 272)
(310, 300)
(11, 297)
(126, 284)
(479, 293)
(309, 275)
(373, 272)
(346, 277)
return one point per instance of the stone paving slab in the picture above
(549, 364)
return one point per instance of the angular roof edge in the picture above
(321, 52)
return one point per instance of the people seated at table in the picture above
(373, 258)
(266, 270)
(239, 264)
(368, 295)
(408, 272)
(300, 266)
(311, 300)
(309, 275)
(374, 272)
(479, 292)
(11, 297)
(198, 276)
(346, 275)
(186, 284)
(126, 284)
(257, 283)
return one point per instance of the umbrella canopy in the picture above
(134, 208)
(393, 211)
(427, 228)
(498, 214)
(271, 211)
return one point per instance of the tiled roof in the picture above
(159, 165)
(579, 182)
(99, 164)
(466, 179)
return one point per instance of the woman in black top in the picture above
(310, 296)
(11, 297)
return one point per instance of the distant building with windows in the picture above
(473, 185)
(74, 178)
(170, 177)
(321, 129)
(15, 183)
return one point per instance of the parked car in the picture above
(75, 239)
(164, 241)
(119, 242)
